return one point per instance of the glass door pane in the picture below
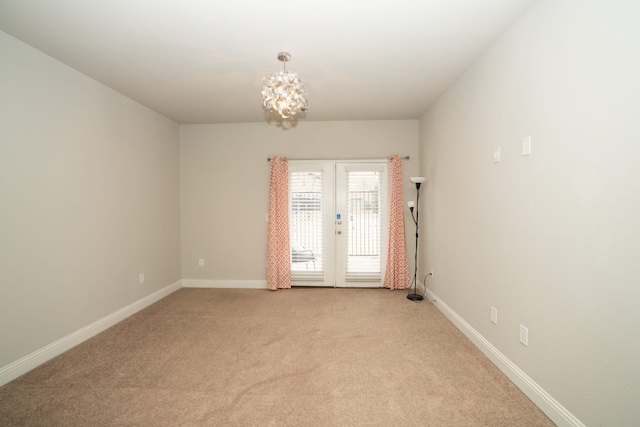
(364, 248)
(306, 224)
(311, 206)
(361, 230)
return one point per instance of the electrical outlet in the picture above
(201, 262)
(496, 155)
(524, 335)
(141, 278)
(494, 315)
(431, 271)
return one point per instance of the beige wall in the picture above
(551, 240)
(225, 183)
(89, 199)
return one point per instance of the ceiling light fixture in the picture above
(283, 91)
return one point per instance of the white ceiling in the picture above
(202, 61)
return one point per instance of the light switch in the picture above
(524, 335)
(496, 155)
(526, 146)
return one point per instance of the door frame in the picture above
(329, 169)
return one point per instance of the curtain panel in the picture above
(397, 272)
(278, 261)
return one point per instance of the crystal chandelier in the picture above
(283, 91)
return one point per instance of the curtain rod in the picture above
(345, 159)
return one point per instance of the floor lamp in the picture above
(417, 180)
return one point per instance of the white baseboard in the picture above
(233, 284)
(551, 407)
(38, 357)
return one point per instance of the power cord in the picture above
(424, 282)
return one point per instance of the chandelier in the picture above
(283, 91)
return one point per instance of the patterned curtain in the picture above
(278, 262)
(397, 274)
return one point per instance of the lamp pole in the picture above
(417, 180)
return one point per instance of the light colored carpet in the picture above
(299, 357)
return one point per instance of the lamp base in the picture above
(415, 297)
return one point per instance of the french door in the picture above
(338, 219)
